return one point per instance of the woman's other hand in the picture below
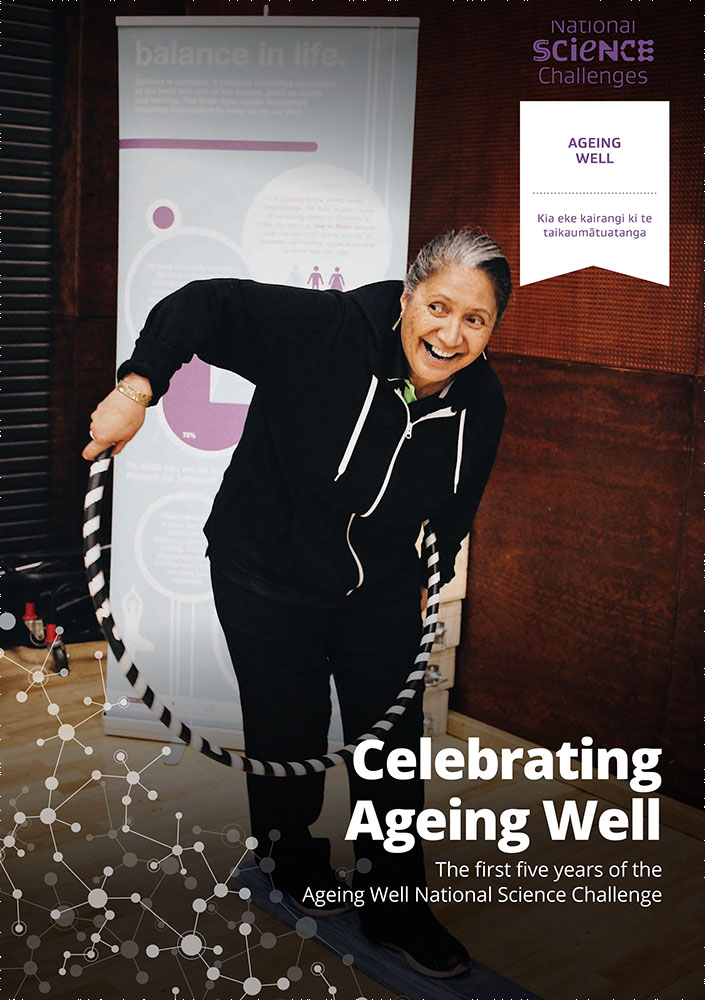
(116, 420)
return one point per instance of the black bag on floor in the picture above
(54, 584)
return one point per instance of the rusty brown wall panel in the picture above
(572, 592)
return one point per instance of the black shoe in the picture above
(425, 944)
(321, 882)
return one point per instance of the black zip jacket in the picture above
(335, 472)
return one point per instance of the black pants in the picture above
(283, 656)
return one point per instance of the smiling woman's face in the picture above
(446, 324)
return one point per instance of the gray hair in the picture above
(470, 248)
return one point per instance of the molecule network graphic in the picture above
(139, 905)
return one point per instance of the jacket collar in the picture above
(462, 384)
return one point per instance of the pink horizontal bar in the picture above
(275, 146)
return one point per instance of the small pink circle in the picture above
(163, 217)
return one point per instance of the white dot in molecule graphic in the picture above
(212, 973)
(21, 697)
(251, 843)
(38, 676)
(199, 847)
(97, 898)
(7, 621)
(283, 983)
(66, 732)
(47, 816)
(152, 950)
(53, 708)
(244, 893)
(9, 840)
(245, 929)
(57, 856)
(220, 890)
(199, 905)
(191, 945)
(133, 777)
(17, 894)
(252, 986)
(51, 783)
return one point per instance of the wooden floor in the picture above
(568, 951)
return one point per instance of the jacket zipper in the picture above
(448, 411)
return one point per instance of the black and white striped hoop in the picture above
(179, 730)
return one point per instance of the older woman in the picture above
(375, 409)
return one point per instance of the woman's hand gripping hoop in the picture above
(179, 730)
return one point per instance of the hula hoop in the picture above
(98, 590)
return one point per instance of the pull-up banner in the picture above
(271, 148)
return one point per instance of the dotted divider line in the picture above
(594, 192)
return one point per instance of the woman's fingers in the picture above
(94, 448)
(114, 422)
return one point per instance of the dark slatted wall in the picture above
(26, 109)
